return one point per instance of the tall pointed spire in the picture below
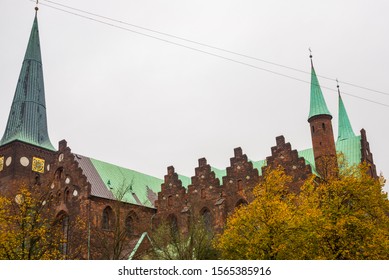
(345, 130)
(27, 121)
(322, 134)
(318, 105)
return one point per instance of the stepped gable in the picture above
(69, 184)
(172, 203)
(367, 156)
(205, 196)
(172, 194)
(283, 155)
(240, 180)
(204, 184)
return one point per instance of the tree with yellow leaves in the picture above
(344, 217)
(28, 228)
(261, 229)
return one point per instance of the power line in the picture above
(206, 52)
(215, 48)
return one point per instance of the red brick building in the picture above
(107, 197)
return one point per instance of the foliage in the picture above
(343, 217)
(346, 218)
(170, 244)
(26, 227)
(261, 229)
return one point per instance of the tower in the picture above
(322, 134)
(25, 148)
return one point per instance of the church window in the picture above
(241, 202)
(63, 221)
(202, 193)
(207, 218)
(66, 195)
(173, 224)
(240, 185)
(129, 225)
(313, 129)
(107, 221)
(58, 173)
(323, 126)
(170, 200)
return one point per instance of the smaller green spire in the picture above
(318, 105)
(345, 131)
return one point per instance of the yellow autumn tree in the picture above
(344, 217)
(261, 229)
(28, 230)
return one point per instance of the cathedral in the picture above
(97, 192)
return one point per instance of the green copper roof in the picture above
(309, 158)
(186, 181)
(219, 173)
(27, 120)
(116, 177)
(350, 148)
(318, 105)
(258, 165)
(345, 130)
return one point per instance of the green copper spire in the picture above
(318, 105)
(27, 120)
(345, 130)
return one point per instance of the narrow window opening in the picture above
(170, 200)
(240, 185)
(107, 221)
(202, 193)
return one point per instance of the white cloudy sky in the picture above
(145, 104)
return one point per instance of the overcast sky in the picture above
(145, 104)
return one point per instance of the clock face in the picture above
(1, 163)
(38, 165)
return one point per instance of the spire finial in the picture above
(337, 85)
(310, 56)
(36, 7)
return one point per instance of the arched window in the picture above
(59, 196)
(202, 191)
(323, 126)
(240, 202)
(108, 219)
(50, 200)
(130, 223)
(207, 218)
(58, 173)
(62, 220)
(66, 195)
(173, 224)
(170, 200)
(240, 185)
